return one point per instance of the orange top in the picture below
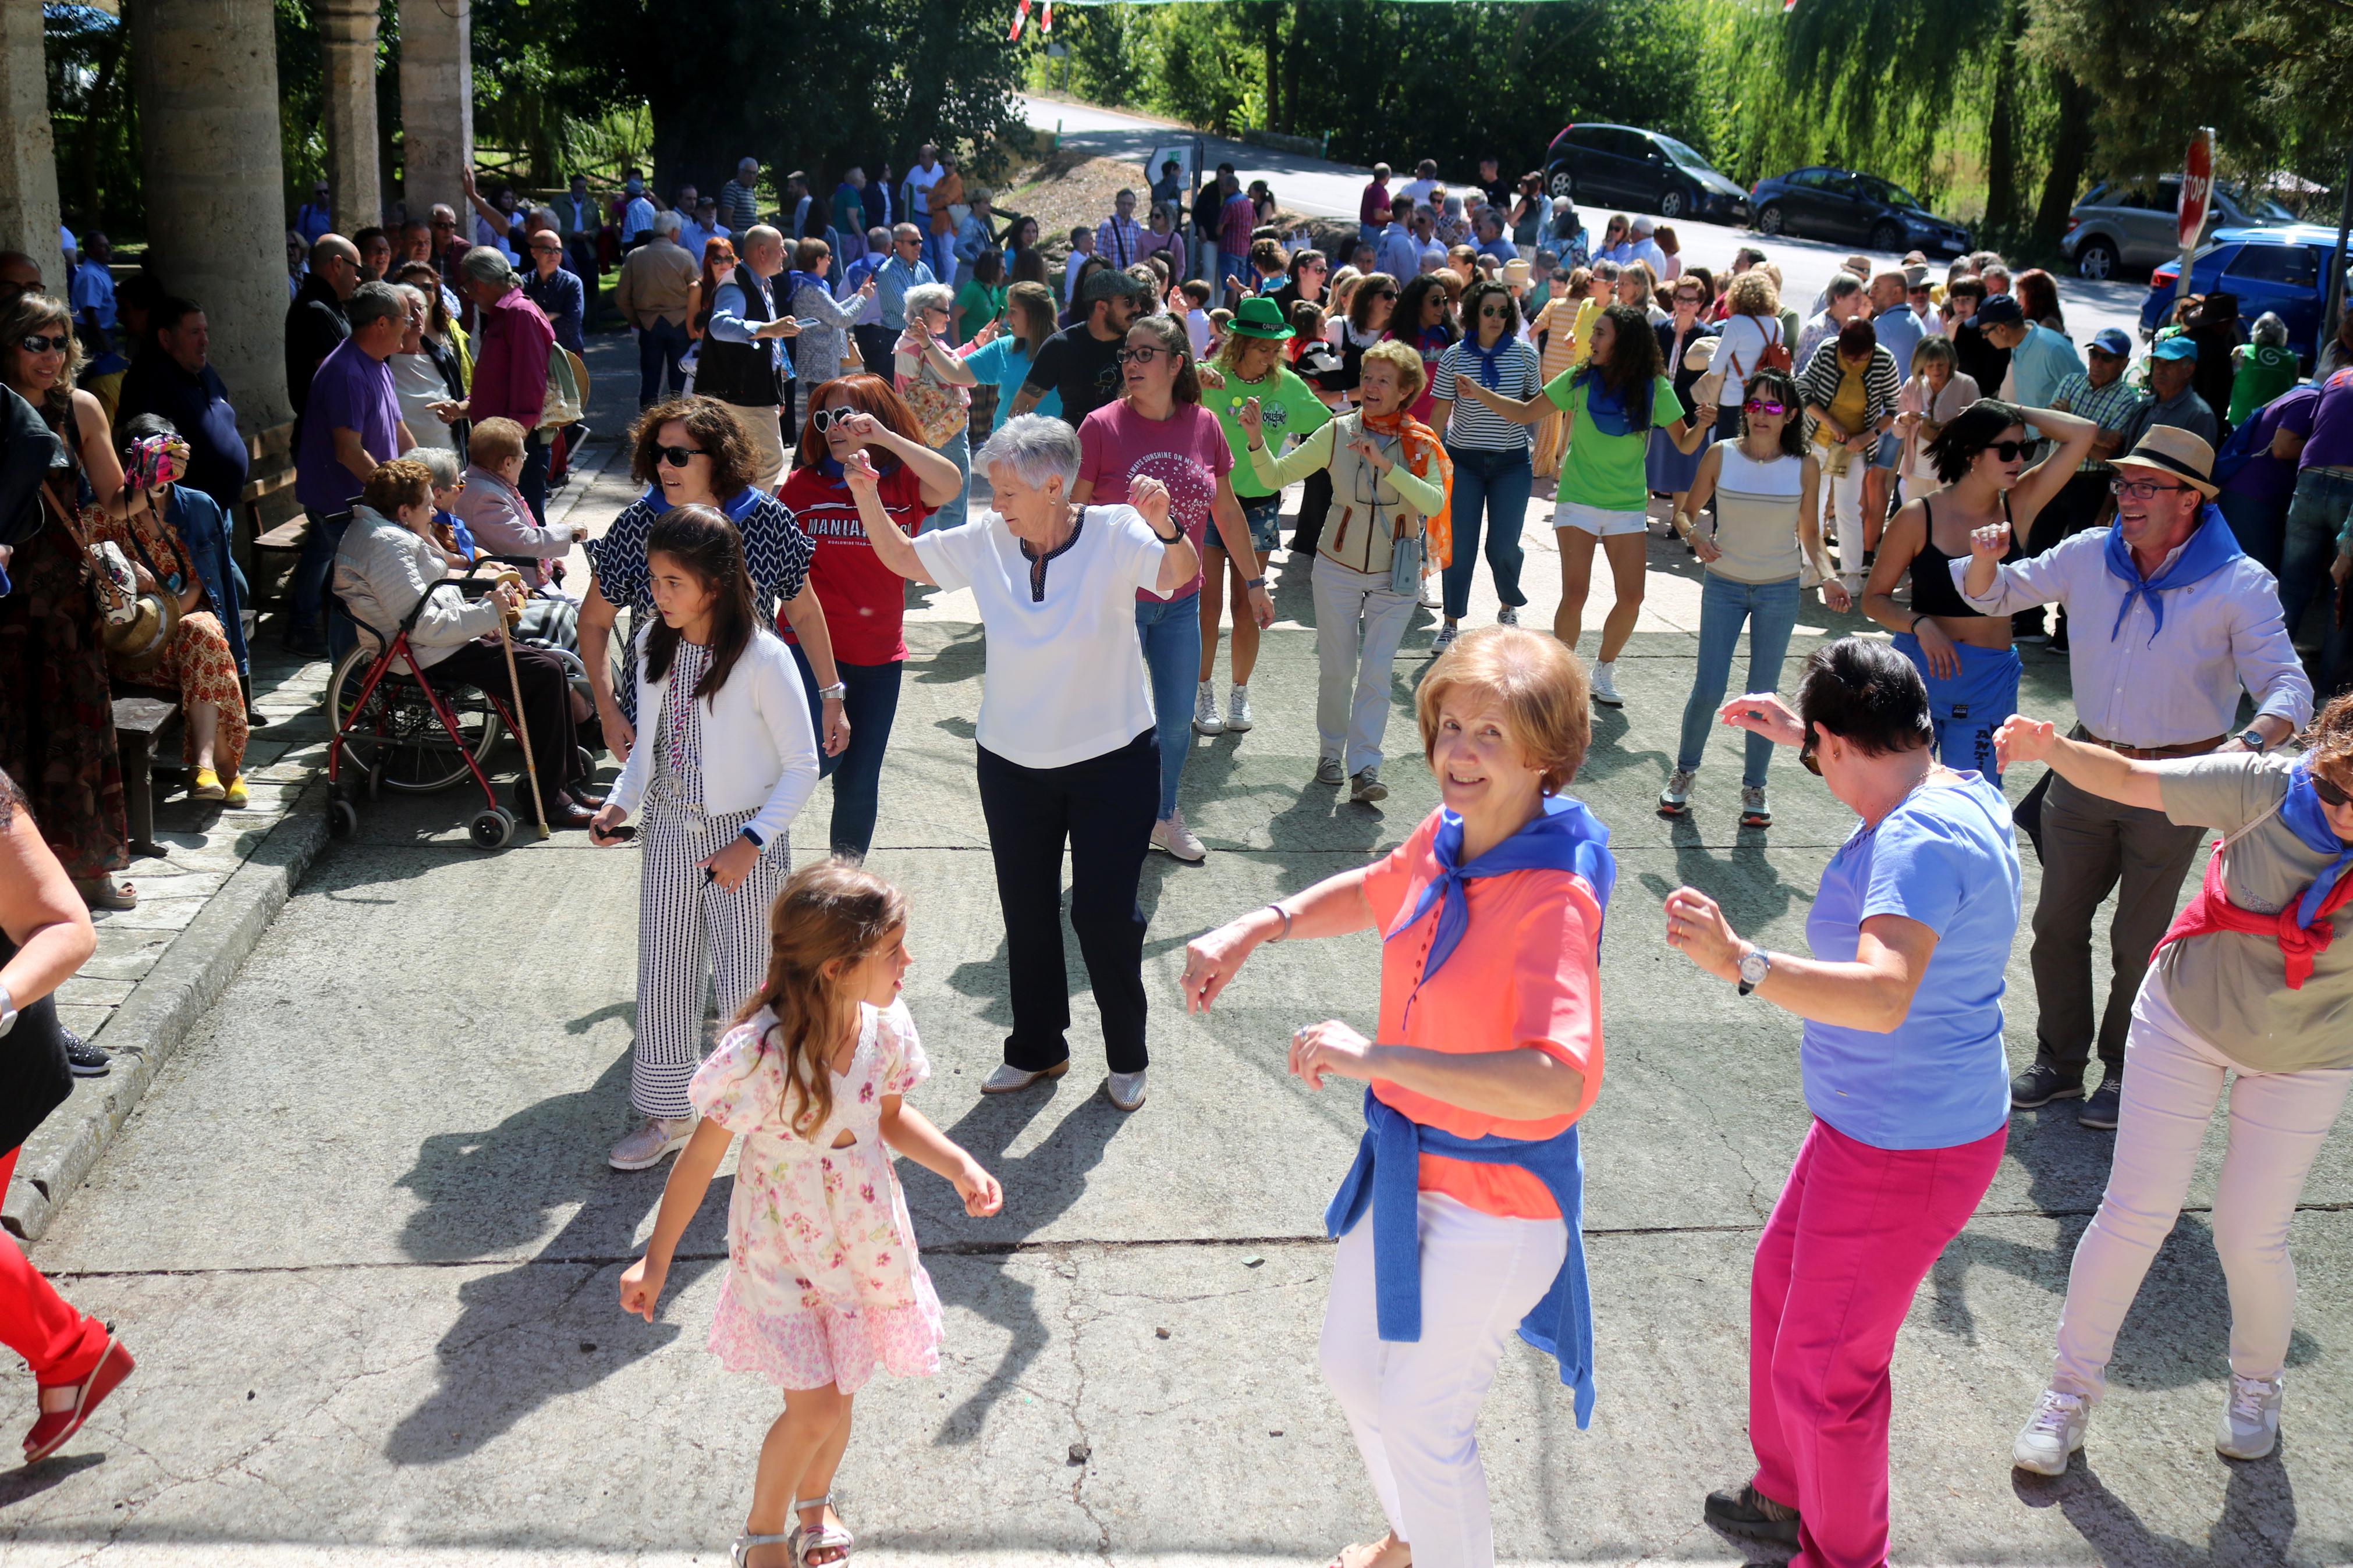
(1527, 973)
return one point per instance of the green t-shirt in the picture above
(977, 305)
(2264, 371)
(1288, 407)
(1604, 465)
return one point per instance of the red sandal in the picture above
(66, 1405)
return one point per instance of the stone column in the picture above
(437, 105)
(207, 76)
(28, 164)
(347, 42)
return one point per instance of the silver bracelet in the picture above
(1278, 908)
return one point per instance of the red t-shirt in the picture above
(865, 602)
(1187, 452)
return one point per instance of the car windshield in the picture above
(1881, 190)
(1682, 154)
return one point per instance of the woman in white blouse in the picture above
(1068, 751)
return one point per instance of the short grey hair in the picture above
(1037, 446)
(442, 460)
(487, 264)
(545, 215)
(926, 297)
(1841, 285)
(415, 297)
(374, 302)
(2270, 330)
(667, 221)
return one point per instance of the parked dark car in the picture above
(1620, 166)
(1823, 203)
(2282, 270)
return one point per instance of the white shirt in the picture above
(1196, 329)
(1078, 258)
(2149, 688)
(759, 743)
(1065, 679)
(636, 218)
(920, 181)
(1417, 191)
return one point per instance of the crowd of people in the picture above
(820, 387)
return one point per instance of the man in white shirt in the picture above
(1430, 251)
(1643, 247)
(691, 234)
(638, 213)
(1083, 244)
(2172, 620)
(1425, 180)
(1399, 254)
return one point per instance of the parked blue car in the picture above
(2277, 269)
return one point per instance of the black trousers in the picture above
(547, 708)
(1315, 502)
(874, 347)
(2075, 509)
(1104, 808)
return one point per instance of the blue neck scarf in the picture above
(793, 282)
(1490, 361)
(2306, 818)
(2210, 549)
(1564, 837)
(737, 510)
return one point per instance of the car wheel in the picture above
(1672, 203)
(2096, 261)
(1564, 184)
(1769, 220)
(1887, 236)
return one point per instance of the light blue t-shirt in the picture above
(1005, 364)
(1948, 859)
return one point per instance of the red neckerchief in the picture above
(2213, 910)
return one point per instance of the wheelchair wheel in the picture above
(492, 828)
(343, 820)
(397, 742)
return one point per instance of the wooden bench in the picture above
(269, 526)
(137, 722)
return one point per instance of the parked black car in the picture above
(1620, 166)
(1823, 203)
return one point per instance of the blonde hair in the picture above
(1753, 293)
(1408, 361)
(829, 912)
(494, 442)
(1535, 681)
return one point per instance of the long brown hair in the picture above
(829, 912)
(1171, 335)
(868, 394)
(1029, 310)
(27, 314)
(701, 540)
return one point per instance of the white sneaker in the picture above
(1853, 582)
(2250, 1425)
(1675, 799)
(1126, 1089)
(1509, 616)
(1753, 812)
(1008, 1079)
(1605, 684)
(1238, 712)
(1171, 836)
(1205, 711)
(2054, 1432)
(1443, 639)
(654, 1138)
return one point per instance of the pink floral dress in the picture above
(823, 1284)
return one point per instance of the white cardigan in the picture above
(759, 746)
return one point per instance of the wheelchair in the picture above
(393, 729)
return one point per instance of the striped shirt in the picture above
(2108, 406)
(1818, 385)
(1472, 424)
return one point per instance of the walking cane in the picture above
(522, 724)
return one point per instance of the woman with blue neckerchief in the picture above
(1492, 476)
(2248, 983)
(1460, 1217)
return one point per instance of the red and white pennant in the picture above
(1021, 15)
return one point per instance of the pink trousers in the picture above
(57, 1341)
(1855, 1231)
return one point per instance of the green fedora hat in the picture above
(1260, 317)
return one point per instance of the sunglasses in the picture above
(1493, 313)
(2329, 793)
(2007, 451)
(679, 456)
(1761, 406)
(445, 223)
(546, 249)
(2141, 490)
(1384, 293)
(35, 343)
(825, 419)
(1805, 758)
(1137, 356)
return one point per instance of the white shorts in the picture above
(1599, 521)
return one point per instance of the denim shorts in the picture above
(1890, 447)
(1264, 515)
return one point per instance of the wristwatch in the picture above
(1755, 964)
(1257, 582)
(837, 693)
(2252, 739)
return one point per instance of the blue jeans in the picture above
(957, 450)
(869, 705)
(1231, 265)
(939, 254)
(1171, 635)
(2316, 519)
(659, 347)
(1496, 484)
(1770, 610)
(307, 594)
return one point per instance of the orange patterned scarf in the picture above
(1426, 456)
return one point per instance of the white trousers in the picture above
(2173, 1077)
(1414, 1408)
(1359, 624)
(766, 428)
(1845, 493)
(690, 935)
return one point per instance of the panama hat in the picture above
(2172, 450)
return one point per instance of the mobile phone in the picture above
(620, 833)
(805, 324)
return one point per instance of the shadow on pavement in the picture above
(2257, 1524)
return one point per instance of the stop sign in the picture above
(2197, 186)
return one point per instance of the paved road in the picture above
(1323, 188)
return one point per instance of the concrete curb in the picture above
(148, 1028)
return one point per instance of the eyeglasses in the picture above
(35, 343)
(2329, 793)
(1144, 355)
(1761, 406)
(445, 223)
(679, 456)
(547, 248)
(825, 419)
(2141, 490)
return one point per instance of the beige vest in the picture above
(1367, 517)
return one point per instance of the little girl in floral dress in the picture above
(823, 1284)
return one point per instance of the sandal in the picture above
(742, 1547)
(66, 1405)
(106, 893)
(823, 1538)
